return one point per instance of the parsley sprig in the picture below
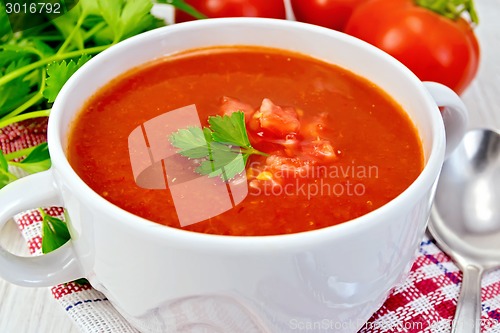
(36, 159)
(222, 149)
(37, 62)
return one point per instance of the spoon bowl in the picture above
(465, 218)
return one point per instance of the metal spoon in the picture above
(465, 218)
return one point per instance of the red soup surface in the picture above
(334, 145)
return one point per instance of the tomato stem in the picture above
(451, 9)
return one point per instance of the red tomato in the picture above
(234, 8)
(331, 14)
(434, 47)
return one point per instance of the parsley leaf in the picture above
(111, 11)
(39, 154)
(126, 17)
(58, 73)
(224, 161)
(9, 56)
(191, 142)
(90, 7)
(69, 27)
(221, 149)
(135, 17)
(3, 162)
(230, 129)
(54, 232)
(19, 88)
(5, 176)
(43, 48)
(37, 160)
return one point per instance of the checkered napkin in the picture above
(425, 302)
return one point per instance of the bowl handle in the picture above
(59, 266)
(454, 113)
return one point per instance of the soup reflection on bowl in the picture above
(328, 145)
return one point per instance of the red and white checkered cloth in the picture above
(425, 302)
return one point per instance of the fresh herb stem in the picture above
(37, 97)
(33, 100)
(9, 106)
(253, 151)
(69, 39)
(24, 116)
(36, 75)
(14, 164)
(26, 69)
(18, 48)
(19, 153)
(49, 38)
(94, 30)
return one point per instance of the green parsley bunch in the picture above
(37, 62)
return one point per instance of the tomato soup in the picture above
(332, 145)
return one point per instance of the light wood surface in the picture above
(33, 310)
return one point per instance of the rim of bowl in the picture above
(411, 194)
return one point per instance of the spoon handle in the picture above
(467, 316)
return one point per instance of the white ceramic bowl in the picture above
(330, 279)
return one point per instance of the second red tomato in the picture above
(234, 8)
(332, 14)
(434, 47)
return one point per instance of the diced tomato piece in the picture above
(230, 105)
(278, 121)
(320, 150)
